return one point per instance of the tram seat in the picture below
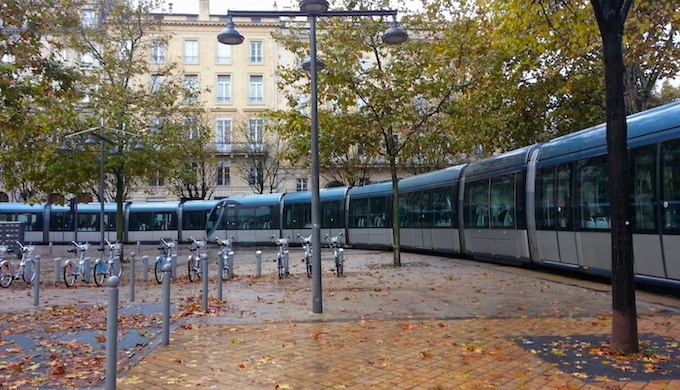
(590, 223)
(602, 223)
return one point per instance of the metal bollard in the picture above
(204, 272)
(220, 273)
(36, 282)
(111, 332)
(132, 276)
(51, 246)
(341, 256)
(285, 261)
(86, 269)
(173, 262)
(258, 263)
(145, 268)
(139, 247)
(167, 270)
(57, 270)
(230, 263)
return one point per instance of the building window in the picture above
(157, 52)
(223, 178)
(88, 18)
(256, 52)
(157, 82)
(191, 124)
(190, 88)
(191, 52)
(223, 135)
(223, 53)
(157, 181)
(301, 185)
(224, 89)
(86, 60)
(256, 89)
(255, 130)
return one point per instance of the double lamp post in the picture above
(102, 140)
(313, 9)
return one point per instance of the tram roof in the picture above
(434, 179)
(325, 194)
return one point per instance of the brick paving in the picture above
(435, 323)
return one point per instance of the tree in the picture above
(611, 17)
(38, 89)
(261, 166)
(113, 44)
(382, 99)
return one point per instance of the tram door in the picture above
(670, 207)
(555, 215)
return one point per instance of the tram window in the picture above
(246, 219)
(378, 210)
(165, 221)
(88, 222)
(565, 209)
(298, 216)
(442, 208)
(545, 199)
(671, 186)
(331, 214)
(194, 220)
(358, 212)
(265, 218)
(593, 193)
(61, 222)
(477, 204)
(141, 221)
(230, 221)
(503, 201)
(644, 183)
(33, 221)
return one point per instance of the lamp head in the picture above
(307, 64)
(64, 148)
(394, 35)
(314, 7)
(230, 36)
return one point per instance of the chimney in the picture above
(170, 8)
(203, 9)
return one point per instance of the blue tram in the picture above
(544, 204)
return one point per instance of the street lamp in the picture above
(102, 140)
(313, 9)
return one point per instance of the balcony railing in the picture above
(240, 147)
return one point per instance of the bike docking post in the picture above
(132, 275)
(230, 263)
(86, 269)
(36, 282)
(220, 274)
(341, 256)
(57, 270)
(111, 332)
(145, 268)
(285, 261)
(204, 277)
(173, 263)
(258, 261)
(167, 270)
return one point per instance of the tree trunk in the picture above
(611, 16)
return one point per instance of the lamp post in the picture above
(313, 9)
(103, 140)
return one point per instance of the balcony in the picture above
(243, 148)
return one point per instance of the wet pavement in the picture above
(434, 323)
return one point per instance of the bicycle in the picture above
(228, 269)
(338, 254)
(307, 244)
(194, 263)
(281, 256)
(167, 249)
(71, 271)
(26, 270)
(112, 266)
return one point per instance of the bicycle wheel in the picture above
(100, 272)
(308, 263)
(158, 271)
(194, 273)
(28, 273)
(70, 273)
(7, 275)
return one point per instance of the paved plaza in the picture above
(435, 323)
